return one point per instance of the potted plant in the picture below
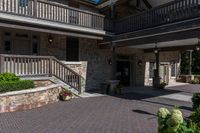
(118, 89)
(162, 85)
(65, 95)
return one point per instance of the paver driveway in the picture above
(132, 113)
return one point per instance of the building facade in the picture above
(80, 31)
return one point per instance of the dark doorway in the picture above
(72, 49)
(123, 72)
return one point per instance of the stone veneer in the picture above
(29, 99)
(98, 69)
(141, 72)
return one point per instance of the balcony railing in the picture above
(168, 13)
(52, 11)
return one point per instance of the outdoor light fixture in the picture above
(156, 49)
(140, 62)
(50, 39)
(198, 45)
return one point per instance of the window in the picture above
(151, 69)
(173, 69)
(23, 3)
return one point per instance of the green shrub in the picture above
(196, 116)
(7, 77)
(196, 100)
(173, 122)
(169, 122)
(16, 85)
(195, 81)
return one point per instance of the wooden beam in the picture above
(176, 48)
(148, 5)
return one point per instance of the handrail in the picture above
(53, 11)
(27, 65)
(72, 8)
(173, 11)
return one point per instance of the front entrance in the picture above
(123, 72)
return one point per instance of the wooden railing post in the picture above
(2, 64)
(50, 67)
(79, 85)
(35, 9)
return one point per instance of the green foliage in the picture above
(195, 81)
(169, 122)
(196, 100)
(196, 116)
(15, 85)
(185, 59)
(174, 123)
(10, 82)
(7, 77)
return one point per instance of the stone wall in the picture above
(29, 99)
(98, 69)
(140, 73)
(166, 58)
(57, 48)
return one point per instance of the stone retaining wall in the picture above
(29, 99)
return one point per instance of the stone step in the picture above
(55, 81)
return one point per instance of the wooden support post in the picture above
(50, 67)
(156, 78)
(1, 64)
(114, 64)
(190, 63)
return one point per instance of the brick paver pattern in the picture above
(129, 113)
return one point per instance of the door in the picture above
(72, 49)
(164, 73)
(123, 72)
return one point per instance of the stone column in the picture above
(156, 78)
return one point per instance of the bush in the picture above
(174, 123)
(16, 85)
(7, 77)
(196, 116)
(195, 81)
(196, 100)
(10, 82)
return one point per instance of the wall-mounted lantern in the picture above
(140, 62)
(50, 39)
(198, 45)
(156, 49)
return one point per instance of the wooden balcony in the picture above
(52, 13)
(171, 12)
